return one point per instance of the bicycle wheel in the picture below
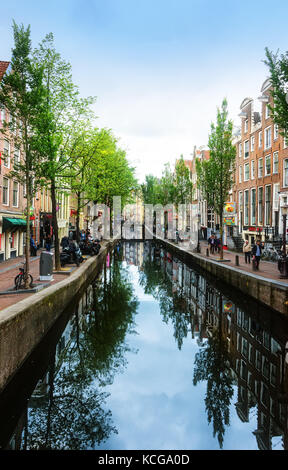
(18, 281)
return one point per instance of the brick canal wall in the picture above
(273, 294)
(23, 325)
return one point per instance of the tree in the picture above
(22, 94)
(278, 68)
(216, 175)
(63, 113)
(183, 184)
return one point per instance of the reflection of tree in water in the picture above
(173, 305)
(211, 365)
(71, 414)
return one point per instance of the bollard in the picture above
(237, 260)
(207, 252)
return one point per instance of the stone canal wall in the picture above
(272, 293)
(24, 324)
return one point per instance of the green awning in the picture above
(13, 223)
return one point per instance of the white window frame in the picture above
(17, 204)
(267, 145)
(246, 220)
(247, 165)
(8, 191)
(240, 149)
(252, 144)
(252, 171)
(285, 185)
(265, 212)
(260, 140)
(268, 174)
(251, 212)
(240, 174)
(8, 156)
(246, 153)
(267, 112)
(275, 172)
(260, 160)
(246, 125)
(258, 200)
(276, 131)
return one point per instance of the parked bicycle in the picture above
(271, 254)
(19, 280)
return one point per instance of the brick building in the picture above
(12, 221)
(261, 180)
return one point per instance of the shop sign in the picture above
(229, 220)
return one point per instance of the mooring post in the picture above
(207, 251)
(237, 260)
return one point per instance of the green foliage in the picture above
(183, 184)
(278, 68)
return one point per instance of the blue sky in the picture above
(159, 68)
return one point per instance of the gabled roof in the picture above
(3, 67)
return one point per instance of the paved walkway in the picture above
(267, 269)
(10, 268)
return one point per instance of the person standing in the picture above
(211, 242)
(247, 251)
(256, 252)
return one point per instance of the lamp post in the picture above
(198, 241)
(283, 262)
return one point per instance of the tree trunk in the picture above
(221, 236)
(27, 246)
(78, 218)
(55, 227)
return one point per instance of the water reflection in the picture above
(67, 410)
(241, 344)
(238, 363)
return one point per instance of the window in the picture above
(16, 157)
(240, 174)
(268, 205)
(252, 143)
(246, 172)
(268, 165)
(240, 150)
(275, 162)
(246, 125)
(260, 168)
(246, 207)
(260, 206)
(260, 139)
(6, 153)
(253, 206)
(285, 173)
(252, 169)
(246, 149)
(267, 112)
(2, 114)
(276, 131)
(267, 138)
(15, 194)
(5, 194)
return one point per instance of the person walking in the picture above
(48, 242)
(211, 242)
(33, 247)
(256, 252)
(247, 251)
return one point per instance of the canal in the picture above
(153, 355)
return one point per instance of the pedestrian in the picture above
(48, 242)
(33, 247)
(211, 242)
(247, 251)
(256, 252)
(217, 244)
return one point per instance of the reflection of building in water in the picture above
(257, 355)
(40, 395)
(133, 253)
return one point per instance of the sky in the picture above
(159, 68)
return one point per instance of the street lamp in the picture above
(198, 241)
(283, 262)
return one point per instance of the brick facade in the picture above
(260, 180)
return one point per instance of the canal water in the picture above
(153, 355)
